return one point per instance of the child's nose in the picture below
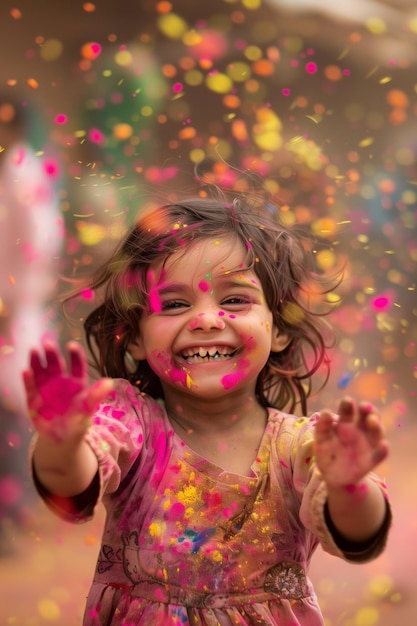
(207, 320)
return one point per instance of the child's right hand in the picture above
(60, 400)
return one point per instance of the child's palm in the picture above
(349, 447)
(60, 400)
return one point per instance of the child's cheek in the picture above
(160, 361)
(165, 367)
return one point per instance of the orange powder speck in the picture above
(169, 71)
(16, 13)
(263, 67)
(164, 6)
(333, 73)
(397, 98)
(89, 7)
(397, 116)
(187, 133)
(231, 101)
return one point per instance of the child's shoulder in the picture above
(127, 401)
(282, 422)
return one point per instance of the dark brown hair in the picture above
(278, 255)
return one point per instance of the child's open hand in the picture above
(60, 399)
(349, 446)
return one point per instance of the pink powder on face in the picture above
(204, 285)
(231, 380)
(154, 301)
(182, 377)
(155, 305)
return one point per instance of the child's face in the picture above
(208, 330)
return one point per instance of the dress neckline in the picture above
(211, 469)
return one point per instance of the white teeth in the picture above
(204, 355)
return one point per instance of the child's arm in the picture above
(61, 404)
(347, 448)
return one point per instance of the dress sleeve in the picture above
(314, 515)
(117, 437)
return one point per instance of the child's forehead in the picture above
(210, 255)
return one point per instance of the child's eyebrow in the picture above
(172, 288)
(239, 282)
(225, 281)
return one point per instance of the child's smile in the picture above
(208, 329)
(207, 354)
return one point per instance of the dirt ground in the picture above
(46, 581)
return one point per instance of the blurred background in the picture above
(124, 102)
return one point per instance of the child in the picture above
(216, 499)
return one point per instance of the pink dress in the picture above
(187, 543)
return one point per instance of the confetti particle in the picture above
(172, 25)
(311, 67)
(61, 118)
(51, 167)
(367, 616)
(51, 49)
(49, 610)
(96, 136)
(91, 50)
(16, 13)
(219, 82)
(344, 380)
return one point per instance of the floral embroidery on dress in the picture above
(131, 564)
(288, 580)
(107, 558)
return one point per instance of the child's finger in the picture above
(97, 393)
(55, 363)
(37, 367)
(365, 410)
(29, 385)
(77, 360)
(347, 410)
(373, 428)
(325, 425)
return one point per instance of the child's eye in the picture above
(173, 305)
(236, 301)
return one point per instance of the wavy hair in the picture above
(294, 291)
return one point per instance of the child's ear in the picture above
(137, 350)
(279, 340)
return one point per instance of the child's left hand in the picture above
(348, 447)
